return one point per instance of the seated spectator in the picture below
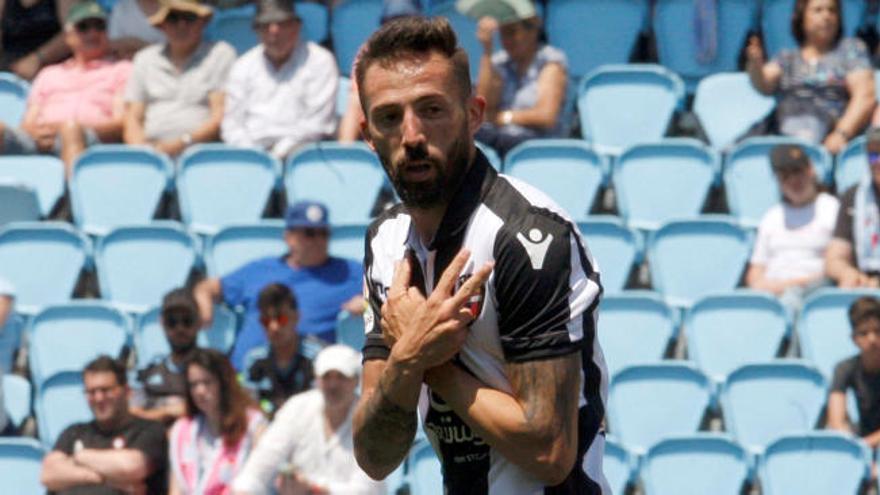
(30, 35)
(311, 448)
(853, 255)
(163, 384)
(282, 72)
(7, 296)
(114, 453)
(824, 88)
(175, 95)
(788, 258)
(78, 102)
(861, 374)
(129, 26)
(211, 442)
(524, 84)
(323, 285)
(281, 370)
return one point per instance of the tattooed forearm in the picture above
(548, 392)
(386, 433)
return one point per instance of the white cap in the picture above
(339, 358)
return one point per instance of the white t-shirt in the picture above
(127, 20)
(791, 241)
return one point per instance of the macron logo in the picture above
(535, 247)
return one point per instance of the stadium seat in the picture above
(658, 182)
(748, 176)
(237, 245)
(634, 328)
(21, 461)
(852, 165)
(116, 185)
(621, 105)
(60, 402)
(689, 259)
(17, 393)
(350, 330)
(761, 402)
(234, 26)
(43, 262)
(567, 170)
(617, 465)
(824, 330)
(615, 247)
(726, 331)
(10, 340)
(66, 337)
(138, 265)
(345, 177)
(425, 473)
(675, 32)
(351, 24)
(221, 185)
(728, 105)
(776, 23)
(347, 241)
(696, 465)
(817, 463)
(44, 173)
(150, 342)
(490, 154)
(13, 98)
(342, 95)
(315, 20)
(653, 401)
(19, 200)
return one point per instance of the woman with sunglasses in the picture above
(208, 446)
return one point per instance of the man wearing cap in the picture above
(75, 103)
(311, 437)
(323, 284)
(176, 92)
(853, 255)
(281, 94)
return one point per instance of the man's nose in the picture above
(413, 131)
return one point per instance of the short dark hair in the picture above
(408, 36)
(106, 364)
(863, 308)
(797, 21)
(275, 295)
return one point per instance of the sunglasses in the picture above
(174, 17)
(172, 321)
(91, 25)
(282, 320)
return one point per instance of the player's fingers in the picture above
(400, 280)
(450, 274)
(473, 285)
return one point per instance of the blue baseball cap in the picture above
(307, 214)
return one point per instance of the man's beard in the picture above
(181, 349)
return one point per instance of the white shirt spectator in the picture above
(127, 20)
(281, 109)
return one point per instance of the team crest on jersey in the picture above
(475, 303)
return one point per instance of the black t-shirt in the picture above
(147, 436)
(274, 385)
(160, 381)
(849, 373)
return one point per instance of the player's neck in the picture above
(427, 221)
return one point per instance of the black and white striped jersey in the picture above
(540, 302)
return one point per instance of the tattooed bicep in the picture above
(547, 388)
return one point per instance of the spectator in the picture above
(163, 383)
(311, 449)
(286, 72)
(7, 296)
(210, 443)
(861, 373)
(129, 26)
(825, 88)
(175, 95)
(853, 255)
(78, 102)
(30, 35)
(524, 84)
(788, 257)
(114, 453)
(282, 370)
(323, 285)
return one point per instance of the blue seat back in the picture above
(343, 93)
(728, 105)
(233, 247)
(350, 330)
(852, 165)
(617, 465)
(20, 202)
(351, 24)
(17, 393)
(234, 26)
(776, 23)
(315, 21)
(44, 173)
(21, 461)
(347, 241)
(824, 330)
(817, 463)
(426, 476)
(634, 328)
(615, 247)
(61, 402)
(150, 342)
(696, 465)
(10, 340)
(13, 98)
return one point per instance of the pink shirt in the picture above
(67, 91)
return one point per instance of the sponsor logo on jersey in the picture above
(536, 246)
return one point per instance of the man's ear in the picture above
(476, 108)
(365, 132)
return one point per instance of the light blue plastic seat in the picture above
(728, 105)
(689, 259)
(66, 337)
(234, 246)
(17, 393)
(20, 202)
(315, 20)
(650, 402)
(221, 185)
(696, 465)
(21, 461)
(658, 182)
(617, 465)
(10, 341)
(776, 23)
(350, 330)
(852, 165)
(621, 105)
(615, 247)
(347, 241)
(425, 471)
(761, 402)
(567, 170)
(44, 173)
(491, 155)
(815, 463)
(749, 181)
(345, 177)
(116, 184)
(13, 98)
(138, 265)
(61, 402)
(726, 331)
(150, 342)
(352, 22)
(342, 95)
(234, 26)
(42, 261)
(634, 328)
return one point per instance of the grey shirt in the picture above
(177, 101)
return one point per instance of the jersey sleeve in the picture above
(374, 345)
